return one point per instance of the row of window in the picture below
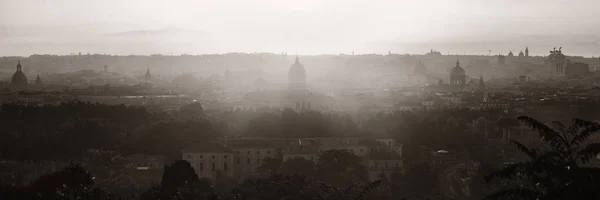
(257, 152)
(303, 105)
(385, 165)
(248, 161)
(202, 157)
(213, 168)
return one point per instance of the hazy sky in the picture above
(323, 22)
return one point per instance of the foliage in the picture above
(557, 171)
(341, 168)
(298, 166)
(180, 182)
(270, 165)
(300, 187)
(73, 182)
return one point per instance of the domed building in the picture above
(456, 85)
(296, 97)
(19, 77)
(297, 76)
(457, 75)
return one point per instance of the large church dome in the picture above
(457, 75)
(297, 76)
(19, 77)
(457, 70)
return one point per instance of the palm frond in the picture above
(547, 134)
(582, 122)
(584, 134)
(532, 154)
(588, 152)
(559, 126)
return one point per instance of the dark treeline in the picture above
(63, 131)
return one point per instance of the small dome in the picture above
(19, 77)
(457, 70)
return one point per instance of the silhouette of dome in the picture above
(19, 77)
(457, 70)
(457, 75)
(297, 76)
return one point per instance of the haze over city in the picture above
(299, 99)
(303, 27)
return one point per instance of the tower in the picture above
(297, 76)
(457, 75)
(526, 51)
(147, 79)
(38, 80)
(147, 76)
(480, 91)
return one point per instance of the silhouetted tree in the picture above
(298, 166)
(556, 171)
(339, 167)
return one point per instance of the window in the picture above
(258, 161)
(361, 150)
(386, 164)
(375, 165)
(213, 157)
(238, 160)
(201, 166)
(225, 157)
(268, 152)
(248, 152)
(213, 167)
(238, 152)
(257, 152)
(189, 156)
(201, 156)
(248, 160)
(224, 166)
(396, 164)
